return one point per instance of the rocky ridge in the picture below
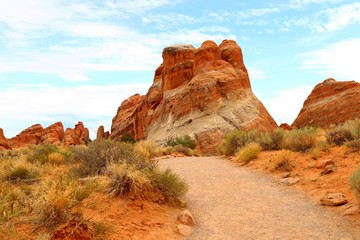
(202, 92)
(330, 102)
(53, 134)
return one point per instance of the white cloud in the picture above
(256, 74)
(287, 104)
(257, 12)
(30, 104)
(339, 60)
(342, 16)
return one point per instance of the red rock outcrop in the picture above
(202, 92)
(31, 135)
(54, 134)
(330, 102)
(101, 134)
(285, 126)
(77, 136)
(3, 141)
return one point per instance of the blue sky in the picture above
(71, 60)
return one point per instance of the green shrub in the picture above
(300, 140)
(355, 144)
(270, 140)
(185, 141)
(248, 152)
(40, 153)
(98, 154)
(170, 185)
(237, 139)
(338, 136)
(354, 183)
(127, 138)
(354, 127)
(282, 161)
(20, 173)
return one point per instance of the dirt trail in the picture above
(231, 202)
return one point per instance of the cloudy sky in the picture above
(71, 60)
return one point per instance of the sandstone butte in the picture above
(54, 134)
(330, 102)
(202, 92)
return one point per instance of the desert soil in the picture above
(232, 202)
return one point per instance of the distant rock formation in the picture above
(77, 136)
(330, 102)
(202, 92)
(3, 141)
(53, 134)
(101, 134)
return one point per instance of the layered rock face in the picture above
(3, 141)
(202, 92)
(330, 102)
(53, 134)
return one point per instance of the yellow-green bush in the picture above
(300, 140)
(148, 149)
(248, 152)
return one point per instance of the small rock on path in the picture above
(231, 202)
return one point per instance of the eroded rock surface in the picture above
(3, 141)
(330, 102)
(202, 92)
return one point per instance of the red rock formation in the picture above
(101, 134)
(77, 136)
(31, 135)
(54, 134)
(330, 102)
(202, 92)
(285, 126)
(3, 141)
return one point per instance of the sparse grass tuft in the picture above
(338, 136)
(125, 180)
(185, 141)
(248, 152)
(56, 158)
(102, 229)
(282, 161)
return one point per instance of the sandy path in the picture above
(231, 202)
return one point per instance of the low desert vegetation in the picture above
(354, 183)
(300, 140)
(248, 152)
(347, 133)
(46, 184)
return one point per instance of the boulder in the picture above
(330, 102)
(77, 136)
(186, 218)
(333, 199)
(185, 230)
(202, 92)
(3, 141)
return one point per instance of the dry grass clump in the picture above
(13, 202)
(185, 141)
(281, 161)
(300, 140)
(17, 170)
(125, 180)
(236, 139)
(248, 152)
(148, 149)
(56, 158)
(54, 201)
(170, 184)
